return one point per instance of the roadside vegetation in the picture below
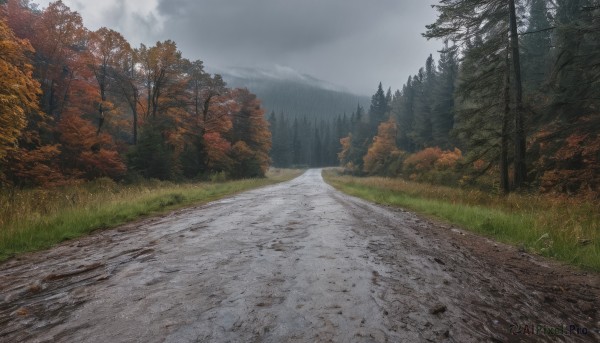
(40, 218)
(566, 229)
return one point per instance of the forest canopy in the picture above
(512, 103)
(77, 104)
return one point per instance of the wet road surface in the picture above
(294, 262)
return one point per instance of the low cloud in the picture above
(352, 43)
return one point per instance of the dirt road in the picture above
(294, 262)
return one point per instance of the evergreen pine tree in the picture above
(442, 115)
(403, 110)
(422, 134)
(536, 46)
(296, 144)
(495, 23)
(378, 109)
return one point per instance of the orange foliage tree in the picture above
(90, 88)
(58, 41)
(218, 151)
(86, 154)
(162, 78)
(163, 105)
(216, 124)
(106, 48)
(19, 91)
(383, 151)
(251, 136)
(20, 17)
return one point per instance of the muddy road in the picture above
(294, 262)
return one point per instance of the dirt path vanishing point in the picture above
(294, 262)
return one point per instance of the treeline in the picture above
(512, 103)
(302, 142)
(78, 104)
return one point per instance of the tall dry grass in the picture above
(39, 218)
(560, 227)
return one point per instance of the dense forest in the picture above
(512, 103)
(77, 104)
(308, 117)
(313, 141)
(307, 142)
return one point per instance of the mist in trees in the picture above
(301, 142)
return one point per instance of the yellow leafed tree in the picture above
(19, 91)
(383, 151)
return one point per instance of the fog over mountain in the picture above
(285, 90)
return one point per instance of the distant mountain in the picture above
(285, 90)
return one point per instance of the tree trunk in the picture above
(520, 166)
(101, 107)
(135, 119)
(504, 182)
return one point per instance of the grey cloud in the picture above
(270, 27)
(285, 26)
(136, 26)
(354, 43)
(351, 43)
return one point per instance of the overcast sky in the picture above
(350, 43)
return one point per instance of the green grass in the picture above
(38, 219)
(561, 228)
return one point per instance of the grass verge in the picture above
(37, 219)
(561, 228)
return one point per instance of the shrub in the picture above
(433, 165)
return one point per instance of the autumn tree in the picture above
(95, 93)
(162, 103)
(106, 48)
(85, 153)
(21, 16)
(127, 87)
(78, 83)
(161, 70)
(18, 90)
(212, 106)
(59, 40)
(383, 151)
(215, 128)
(25, 159)
(250, 136)
(194, 156)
